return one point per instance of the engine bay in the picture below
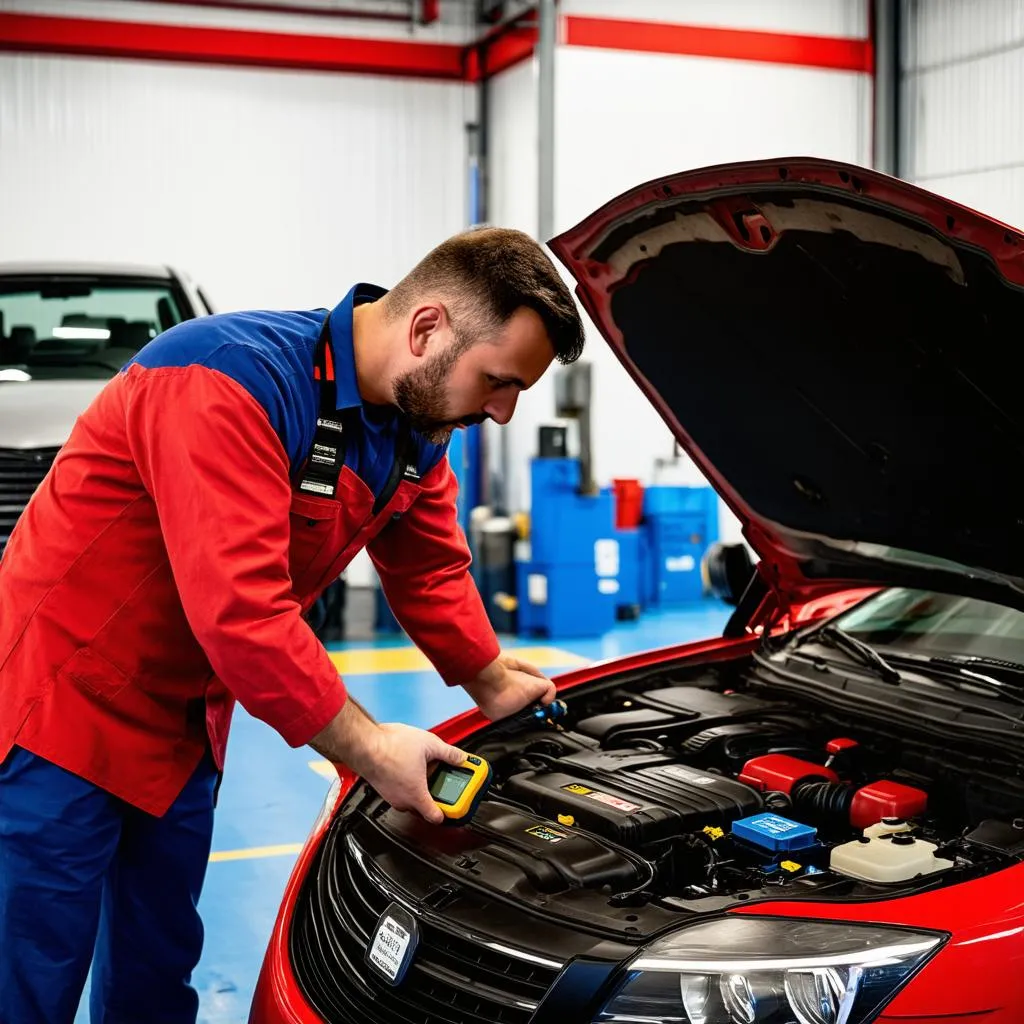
(697, 788)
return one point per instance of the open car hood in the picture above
(840, 354)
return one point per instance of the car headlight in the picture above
(762, 970)
(327, 807)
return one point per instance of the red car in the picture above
(819, 817)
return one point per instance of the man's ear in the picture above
(423, 325)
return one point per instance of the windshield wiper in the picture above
(980, 660)
(964, 665)
(833, 636)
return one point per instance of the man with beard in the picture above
(164, 568)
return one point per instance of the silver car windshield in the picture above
(77, 328)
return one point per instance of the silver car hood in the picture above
(41, 413)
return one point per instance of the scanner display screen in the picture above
(449, 784)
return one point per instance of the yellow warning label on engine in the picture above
(713, 832)
(549, 835)
(790, 866)
(575, 787)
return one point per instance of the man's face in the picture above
(458, 383)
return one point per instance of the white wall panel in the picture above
(512, 203)
(512, 157)
(671, 113)
(963, 78)
(806, 17)
(273, 188)
(941, 31)
(667, 114)
(963, 119)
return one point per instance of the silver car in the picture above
(65, 330)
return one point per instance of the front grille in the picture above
(21, 472)
(453, 979)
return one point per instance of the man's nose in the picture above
(501, 407)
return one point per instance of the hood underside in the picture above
(838, 351)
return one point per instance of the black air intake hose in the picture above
(823, 801)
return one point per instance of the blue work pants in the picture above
(87, 878)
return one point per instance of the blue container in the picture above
(681, 523)
(670, 500)
(564, 525)
(773, 833)
(678, 543)
(631, 589)
(464, 458)
(648, 584)
(564, 601)
(384, 620)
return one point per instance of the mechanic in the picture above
(163, 570)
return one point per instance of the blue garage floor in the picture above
(271, 793)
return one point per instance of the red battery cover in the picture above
(779, 773)
(885, 799)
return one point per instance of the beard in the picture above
(421, 395)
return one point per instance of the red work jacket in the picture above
(164, 567)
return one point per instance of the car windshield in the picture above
(73, 327)
(937, 625)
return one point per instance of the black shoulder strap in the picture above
(326, 457)
(403, 466)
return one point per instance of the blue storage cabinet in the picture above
(681, 523)
(564, 524)
(631, 589)
(570, 585)
(563, 601)
(464, 458)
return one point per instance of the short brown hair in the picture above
(487, 274)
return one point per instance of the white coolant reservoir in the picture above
(895, 858)
(887, 826)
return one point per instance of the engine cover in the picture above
(634, 798)
(683, 710)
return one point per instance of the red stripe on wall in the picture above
(502, 52)
(723, 43)
(91, 37)
(99, 38)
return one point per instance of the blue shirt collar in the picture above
(347, 384)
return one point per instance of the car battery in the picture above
(774, 834)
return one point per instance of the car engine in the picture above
(694, 791)
(660, 798)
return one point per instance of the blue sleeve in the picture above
(269, 354)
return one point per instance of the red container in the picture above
(629, 503)
(779, 773)
(886, 799)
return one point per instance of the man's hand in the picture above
(398, 770)
(508, 685)
(392, 758)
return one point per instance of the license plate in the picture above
(393, 944)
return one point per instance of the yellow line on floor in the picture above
(254, 852)
(374, 660)
(324, 768)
